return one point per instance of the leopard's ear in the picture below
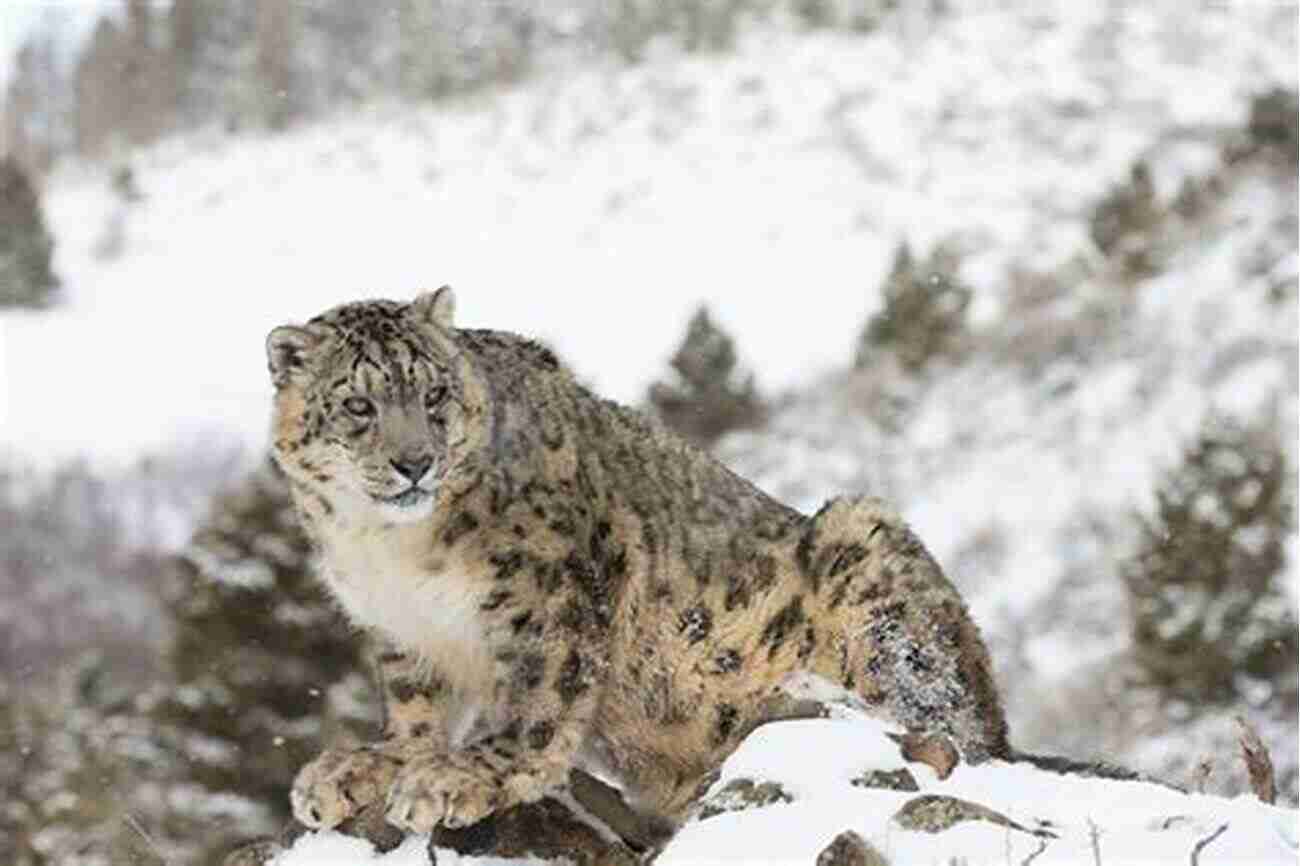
(436, 308)
(286, 350)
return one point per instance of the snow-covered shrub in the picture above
(627, 27)
(1196, 195)
(709, 395)
(924, 312)
(1125, 224)
(84, 777)
(860, 15)
(26, 247)
(1273, 125)
(76, 568)
(1057, 322)
(85, 772)
(1209, 620)
(124, 186)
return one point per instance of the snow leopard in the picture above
(553, 581)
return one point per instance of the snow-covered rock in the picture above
(1064, 818)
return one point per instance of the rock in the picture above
(256, 853)
(889, 780)
(850, 849)
(546, 830)
(260, 851)
(740, 794)
(934, 813)
(936, 750)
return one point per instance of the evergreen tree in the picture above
(1272, 126)
(1208, 616)
(265, 667)
(924, 312)
(26, 247)
(710, 396)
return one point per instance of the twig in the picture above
(1196, 852)
(1042, 846)
(135, 825)
(1094, 837)
(1201, 774)
(1258, 763)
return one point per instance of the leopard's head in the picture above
(370, 405)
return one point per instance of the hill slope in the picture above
(597, 207)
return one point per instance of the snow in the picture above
(596, 207)
(1137, 823)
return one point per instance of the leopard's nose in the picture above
(412, 468)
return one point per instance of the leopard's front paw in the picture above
(339, 783)
(443, 791)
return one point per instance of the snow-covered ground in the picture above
(1134, 823)
(596, 208)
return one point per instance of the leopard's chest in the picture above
(390, 580)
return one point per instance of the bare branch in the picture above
(1094, 837)
(1042, 846)
(1196, 852)
(135, 825)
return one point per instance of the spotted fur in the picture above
(556, 581)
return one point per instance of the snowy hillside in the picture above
(596, 208)
(1057, 816)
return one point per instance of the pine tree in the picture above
(1273, 123)
(924, 312)
(26, 247)
(1208, 615)
(265, 667)
(710, 396)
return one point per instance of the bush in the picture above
(1209, 620)
(78, 570)
(924, 313)
(82, 774)
(1273, 124)
(710, 396)
(85, 772)
(1126, 221)
(26, 248)
(124, 186)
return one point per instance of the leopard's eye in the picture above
(436, 397)
(359, 406)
